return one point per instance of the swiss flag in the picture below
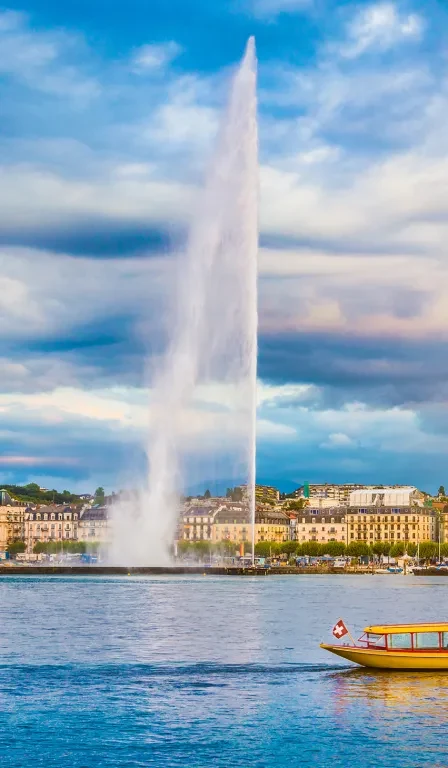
(339, 629)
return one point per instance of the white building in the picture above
(94, 525)
(405, 496)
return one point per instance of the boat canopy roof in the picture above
(395, 629)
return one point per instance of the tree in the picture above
(411, 549)
(358, 549)
(381, 548)
(296, 506)
(14, 547)
(207, 494)
(33, 487)
(441, 491)
(263, 548)
(288, 547)
(310, 548)
(397, 549)
(333, 548)
(99, 495)
(428, 549)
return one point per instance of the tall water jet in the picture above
(203, 394)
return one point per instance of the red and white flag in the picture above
(339, 629)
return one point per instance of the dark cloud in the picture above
(100, 238)
(375, 370)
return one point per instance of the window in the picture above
(426, 640)
(379, 641)
(400, 641)
(444, 639)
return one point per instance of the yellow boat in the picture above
(398, 646)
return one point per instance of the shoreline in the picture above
(111, 570)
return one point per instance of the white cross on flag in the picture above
(339, 629)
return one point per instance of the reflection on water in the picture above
(211, 673)
(423, 693)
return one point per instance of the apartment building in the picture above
(12, 524)
(266, 493)
(197, 522)
(50, 523)
(94, 525)
(391, 524)
(320, 525)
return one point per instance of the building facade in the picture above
(51, 523)
(12, 525)
(391, 524)
(266, 493)
(94, 525)
(321, 526)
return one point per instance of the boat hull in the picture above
(406, 660)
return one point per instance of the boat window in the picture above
(379, 641)
(444, 639)
(426, 640)
(400, 641)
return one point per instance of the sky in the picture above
(108, 114)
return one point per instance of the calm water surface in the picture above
(195, 672)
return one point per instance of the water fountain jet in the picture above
(213, 339)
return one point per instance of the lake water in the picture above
(195, 672)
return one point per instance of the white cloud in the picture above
(154, 56)
(44, 61)
(379, 27)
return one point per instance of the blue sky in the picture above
(108, 112)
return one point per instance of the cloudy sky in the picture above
(108, 112)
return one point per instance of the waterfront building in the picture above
(94, 525)
(391, 524)
(271, 524)
(12, 524)
(321, 525)
(231, 522)
(55, 522)
(197, 522)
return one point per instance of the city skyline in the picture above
(107, 121)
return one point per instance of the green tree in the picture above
(296, 506)
(183, 547)
(334, 548)
(428, 549)
(411, 549)
(397, 549)
(207, 494)
(310, 548)
(33, 487)
(441, 491)
(202, 549)
(381, 548)
(263, 548)
(225, 548)
(14, 547)
(99, 495)
(358, 549)
(288, 547)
